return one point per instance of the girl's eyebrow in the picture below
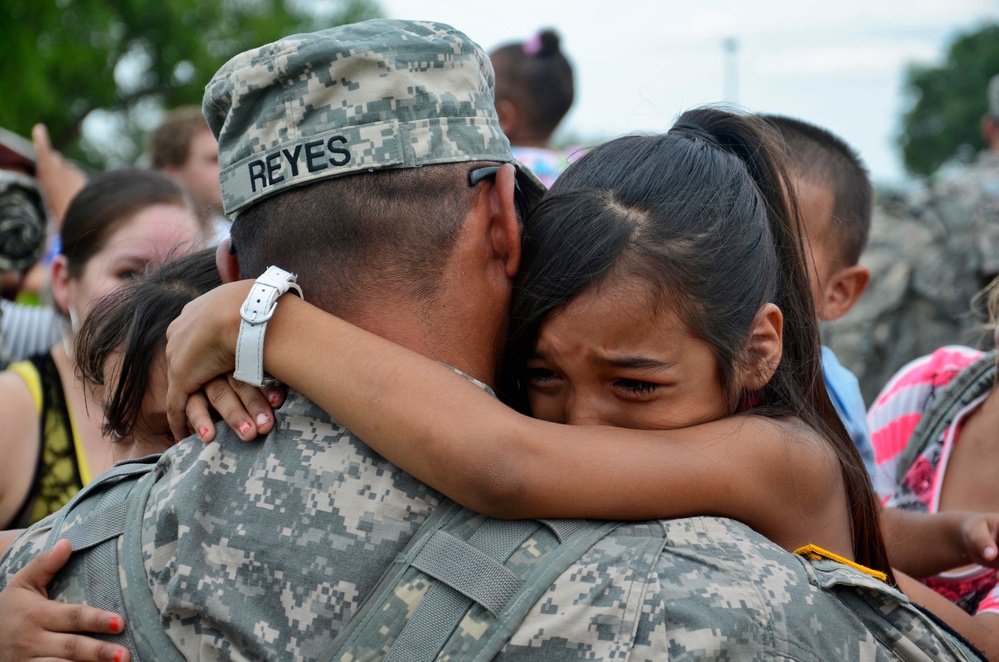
(633, 362)
(638, 362)
(538, 353)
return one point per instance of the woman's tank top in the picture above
(61, 470)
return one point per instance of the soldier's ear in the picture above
(505, 225)
(226, 261)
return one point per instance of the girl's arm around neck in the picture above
(777, 476)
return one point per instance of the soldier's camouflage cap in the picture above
(361, 97)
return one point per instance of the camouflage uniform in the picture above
(711, 588)
(266, 550)
(973, 192)
(274, 545)
(931, 249)
(687, 589)
(933, 246)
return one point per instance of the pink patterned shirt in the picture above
(892, 418)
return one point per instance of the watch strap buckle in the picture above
(257, 309)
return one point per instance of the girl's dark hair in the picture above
(706, 216)
(536, 77)
(106, 202)
(133, 321)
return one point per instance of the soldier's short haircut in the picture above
(818, 156)
(345, 155)
(346, 235)
(170, 143)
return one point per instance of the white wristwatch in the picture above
(258, 307)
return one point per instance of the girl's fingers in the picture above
(197, 416)
(71, 647)
(38, 628)
(224, 397)
(256, 403)
(40, 571)
(275, 395)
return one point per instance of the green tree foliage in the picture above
(946, 102)
(122, 60)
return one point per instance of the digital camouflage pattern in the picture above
(274, 545)
(973, 193)
(686, 589)
(932, 248)
(371, 95)
(259, 551)
(705, 588)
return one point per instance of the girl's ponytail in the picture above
(797, 386)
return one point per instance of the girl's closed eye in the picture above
(636, 387)
(541, 377)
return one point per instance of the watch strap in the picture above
(257, 309)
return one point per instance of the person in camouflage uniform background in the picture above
(978, 186)
(266, 551)
(932, 247)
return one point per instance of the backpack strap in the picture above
(107, 510)
(145, 621)
(972, 382)
(66, 525)
(575, 537)
(459, 564)
(92, 521)
(466, 573)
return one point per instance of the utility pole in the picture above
(730, 48)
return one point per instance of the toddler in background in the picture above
(534, 91)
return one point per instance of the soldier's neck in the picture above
(472, 348)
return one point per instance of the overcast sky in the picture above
(639, 63)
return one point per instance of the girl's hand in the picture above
(979, 536)
(246, 409)
(34, 627)
(925, 544)
(201, 346)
